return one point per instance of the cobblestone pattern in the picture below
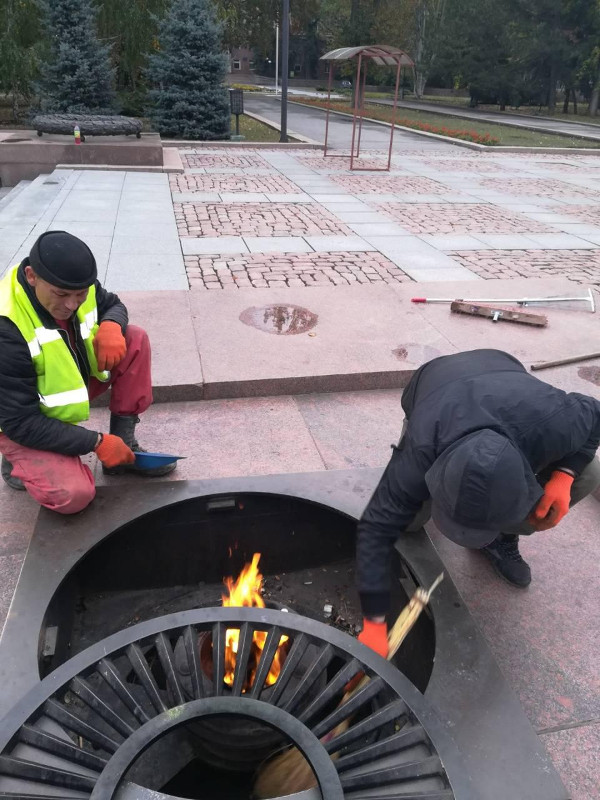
(462, 164)
(574, 169)
(437, 218)
(278, 270)
(211, 160)
(582, 266)
(254, 219)
(540, 187)
(273, 184)
(389, 183)
(589, 214)
(340, 163)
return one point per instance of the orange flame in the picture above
(246, 591)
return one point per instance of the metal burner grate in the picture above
(82, 728)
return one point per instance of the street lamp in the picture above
(285, 50)
(276, 58)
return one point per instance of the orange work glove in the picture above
(112, 451)
(554, 504)
(375, 636)
(109, 345)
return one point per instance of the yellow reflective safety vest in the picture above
(62, 390)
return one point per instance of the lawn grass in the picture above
(507, 136)
(531, 111)
(256, 131)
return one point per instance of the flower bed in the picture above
(385, 115)
(454, 133)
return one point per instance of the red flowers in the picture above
(454, 133)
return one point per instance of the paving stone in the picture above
(331, 243)
(279, 244)
(256, 219)
(222, 244)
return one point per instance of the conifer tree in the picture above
(188, 99)
(77, 76)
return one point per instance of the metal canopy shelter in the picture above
(381, 54)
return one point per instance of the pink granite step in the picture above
(215, 344)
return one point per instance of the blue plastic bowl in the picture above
(149, 460)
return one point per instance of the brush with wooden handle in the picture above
(290, 772)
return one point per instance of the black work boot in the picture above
(14, 483)
(504, 554)
(125, 428)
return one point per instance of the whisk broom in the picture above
(289, 772)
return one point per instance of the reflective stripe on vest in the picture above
(62, 391)
(64, 398)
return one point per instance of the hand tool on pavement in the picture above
(562, 361)
(498, 314)
(289, 772)
(149, 460)
(522, 301)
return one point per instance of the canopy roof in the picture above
(382, 54)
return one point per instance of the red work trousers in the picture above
(62, 483)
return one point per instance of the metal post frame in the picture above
(327, 111)
(383, 55)
(356, 107)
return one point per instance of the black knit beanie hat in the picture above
(63, 260)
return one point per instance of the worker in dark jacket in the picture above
(63, 341)
(489, 452)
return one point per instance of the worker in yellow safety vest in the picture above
(64, 340)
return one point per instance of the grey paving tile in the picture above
(243, 197)
(318, 197)
(562, 241)
(277, 244)
(380, 228)
(507, 241)
(290, 198)
(444, 274)
(156, 231)
(146, 245)
(407, 243)
(345, 205)
(213, 245)
(578, 228)
(431, 259)
(127, 272)
(337, 244)
(358, 217)
(591, 237)
(159, 178)
(452, 241)
(85, 230)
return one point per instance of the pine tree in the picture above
(78, 76)
(188, 99)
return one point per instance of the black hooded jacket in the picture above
(20, 416)
(446, 399)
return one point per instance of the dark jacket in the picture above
(446, 399)
(20, 416)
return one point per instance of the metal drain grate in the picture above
(84, 726)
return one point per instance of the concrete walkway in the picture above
(125, 217)
(568, 128)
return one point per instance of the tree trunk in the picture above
(552, 87)
(595, 98)
(574, 101)
(566, 103)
